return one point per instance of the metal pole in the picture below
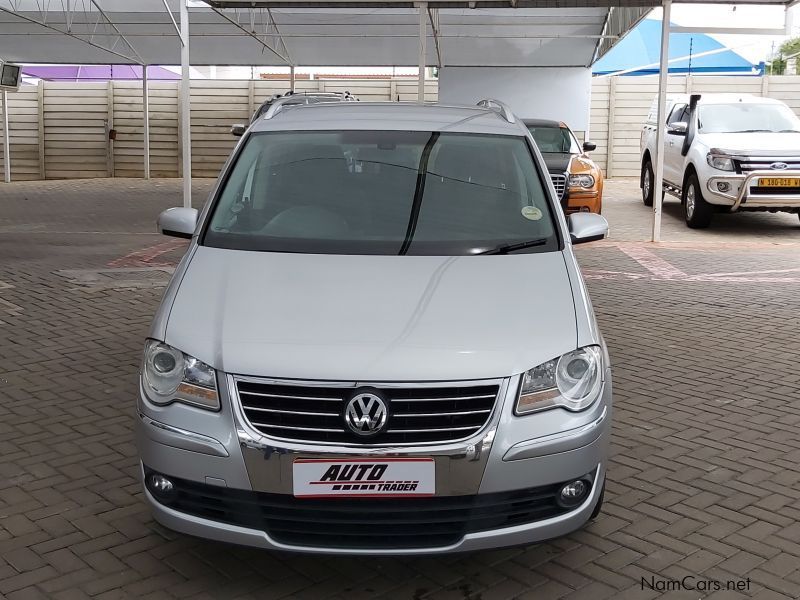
(6, 141)
(146, 118)
(423, 40)
(186, 130)
(663, 77)
(291, 78)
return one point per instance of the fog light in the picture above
(574, 493)
(723, 186)
(160, 486)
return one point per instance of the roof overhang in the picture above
(514, 33)
(321, 33)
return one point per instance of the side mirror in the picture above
(178, 222)
(678, 128)
(589, 146)
(586, 227)
(238, 129)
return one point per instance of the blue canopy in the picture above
(640, 50)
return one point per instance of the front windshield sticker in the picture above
(531, 213)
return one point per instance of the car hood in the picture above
(769, 144)
(557, 162)
(373, 318)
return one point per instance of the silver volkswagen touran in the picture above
(378, 341)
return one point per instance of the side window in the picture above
(677, 115)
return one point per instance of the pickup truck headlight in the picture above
(169, 375)
(572, 381)
(720, 161)
(581, 181)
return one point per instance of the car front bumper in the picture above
(216, 456)
(522, 534)
(584, 201)
(743, 192)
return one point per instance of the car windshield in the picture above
(742, 117)
(554, 140)
(382, 192)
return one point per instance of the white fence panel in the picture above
(60, 130)
(76, 118)
(23, 131)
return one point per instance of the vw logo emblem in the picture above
(779, 166)
(366, 414)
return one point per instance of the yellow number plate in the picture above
(779, 182)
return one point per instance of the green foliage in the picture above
(788, 48)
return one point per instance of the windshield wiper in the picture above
(506, 248)
(789, 131)
(419, 191)
(754, 131)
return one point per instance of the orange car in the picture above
(577, 179)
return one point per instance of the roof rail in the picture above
(500, 107)
(311, 98)
(345, 95)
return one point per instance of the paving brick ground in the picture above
(705, 476)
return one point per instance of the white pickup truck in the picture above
(725, 153)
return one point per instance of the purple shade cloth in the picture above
(97, 72)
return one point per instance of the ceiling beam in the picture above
(89, 42)
(283, 56)
(732, 30)
(174, 22)
(114, 27)
(433, 16)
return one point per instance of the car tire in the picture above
(598, 507)
(696, 211)
(647, 181)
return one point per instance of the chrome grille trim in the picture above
(758, 163)
(297, 412)
(296, 397)
(466, 412)
(300, 411)
(432, 429)
(560, 183)
(449, 398)
(292, 428)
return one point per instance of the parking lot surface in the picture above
(704, 482)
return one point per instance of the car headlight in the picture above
(572, 381)
(169, 375)
(720, 161)
(581, 181)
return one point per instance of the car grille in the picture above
(773, 191)
(560, 183)
(764, 164)
(353, 523)
(416, 414)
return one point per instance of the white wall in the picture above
(560, 93)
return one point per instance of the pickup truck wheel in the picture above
(647, 183)
(696, 210)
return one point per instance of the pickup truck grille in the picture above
(771, 191)
(745, 166)
(416, 414)
(560, 183)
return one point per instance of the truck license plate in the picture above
(364, 477)
(779, 182)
